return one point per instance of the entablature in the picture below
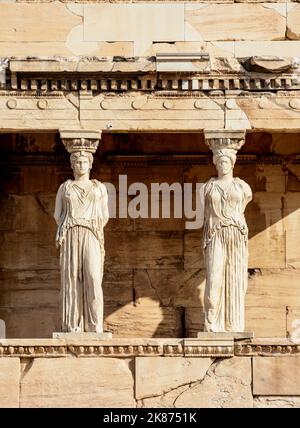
(165, 72)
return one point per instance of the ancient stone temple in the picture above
(150, 83)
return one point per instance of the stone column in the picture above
(225, 237)
(81, 212)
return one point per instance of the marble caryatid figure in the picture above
(81, 212)
(225, 241)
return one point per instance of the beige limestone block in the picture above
(146, 319)
(194, 320)
(144, 249)
(173, 122)
(117, 286)
(215, 49)
(274, 179)
(72, 382)
(159, 224)
(291, 218)
(188, 63)
(267, 243)
(270, 113)
(28, 250)
(235, 118)
(30, 298)
(226, 384)
(247, 22)
(144, 23)
(266, 320)
(275, 48)
(267, 248)
(36, 321)
(9, 382)
(273, 288)
(76, 44)
(293, 323)
(170, 373)
(70, 48)
(33, 113)
(269, 64)
(293, 23)
(35, 180)
(193, 250)
(285, 144)
(27, 22)
(170, 287)
(29, 213)
(276, 376)
(21, 280)
(293, 178)
(277, 402)
(162, 401)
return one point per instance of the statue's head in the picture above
(81, 162)
(224, 159)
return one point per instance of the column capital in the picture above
(76, 140)
(224, 139)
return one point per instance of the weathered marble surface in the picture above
(276, 376)
(9, 382)
(75, 382)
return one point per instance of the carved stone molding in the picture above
(118, 348)
(77, 140)
(162, 82)
(267, 350)
(37, 348)
(146, 347)
(224, 139)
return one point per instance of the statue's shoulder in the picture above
(100, 186)
(209, 183)
(241, 182)
(245, 186)
(64, 185)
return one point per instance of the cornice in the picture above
(122, 74)
(141, 81)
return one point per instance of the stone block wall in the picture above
(35, 373)
(221, 28)
(154, 272)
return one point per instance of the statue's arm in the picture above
(201, 210)
(247, 193)
(104, 207)
(58, 205)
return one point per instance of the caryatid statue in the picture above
(81, 212)
(225, 236)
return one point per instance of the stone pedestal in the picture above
(82, 336)
(225, 335)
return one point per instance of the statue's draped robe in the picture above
(225, 242)
(81, 216)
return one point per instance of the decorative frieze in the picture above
(115, 348)
(119, 348)
(265, 349)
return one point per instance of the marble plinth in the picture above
(225, 335)
(84, 336)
